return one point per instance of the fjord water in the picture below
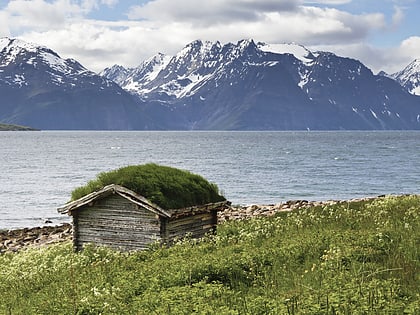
(38, 170)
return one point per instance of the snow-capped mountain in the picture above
(43, 90)
(206, 85)
(409, 77)
(19, 60)
(172, 76)
(259, 86)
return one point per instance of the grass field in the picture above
(350, 258)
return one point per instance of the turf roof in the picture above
(168, 187)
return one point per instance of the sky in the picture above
(383, 34)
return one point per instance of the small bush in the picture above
(168, 187)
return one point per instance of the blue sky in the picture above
(381, 33)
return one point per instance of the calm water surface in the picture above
(38, 170)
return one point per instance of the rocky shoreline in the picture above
(15, 240)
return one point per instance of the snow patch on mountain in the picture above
(4, 41)
(22, 62)
(116, 73)
(299, 51)
(409, 77)
(11, 48)
(156, 64)
(31, 54)
(60, 65)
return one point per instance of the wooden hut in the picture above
(122, 219)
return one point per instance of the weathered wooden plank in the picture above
(95, 234)
(116, 232)
(116, 202)
(187, 226)
(112, 190)
(196, 218)
(116, 237)
(121, 217)
(105, 231)
(193, 228)
(101, 239)
(117, 209)
(115, 240)
(133, 224)
(219, 206)
(120, 229)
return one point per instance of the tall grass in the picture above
(351, 258)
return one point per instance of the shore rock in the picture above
(14, 240)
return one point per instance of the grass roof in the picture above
(168, 187)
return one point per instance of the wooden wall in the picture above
(115, 222)
(196, 225)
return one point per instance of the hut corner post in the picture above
(164, 235)
(75, 229)
(214, 221)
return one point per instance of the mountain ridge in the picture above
(296, 85)
(409, 77)
(45, 91)
(206, 86)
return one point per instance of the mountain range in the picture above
(207, 86)
(40, 89)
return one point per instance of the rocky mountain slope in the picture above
(265, 87)
(207, 86)
(409, 77)
(40, 89)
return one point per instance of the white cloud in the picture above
(109, 3)
(269, 19)
(99, 44)
(43, 15)
(167, 25)
(327, 2)
(410, 47)
(4, 25)
(209, 12)
(316, 25)
(377, 59)
(398, 16)
(39, 14)
(89, 5)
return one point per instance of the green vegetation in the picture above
(168, 187)
(350, 258)
(8, 127)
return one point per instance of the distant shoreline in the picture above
(10, 127)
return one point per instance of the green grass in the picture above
(350, 258)
(168, 187)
